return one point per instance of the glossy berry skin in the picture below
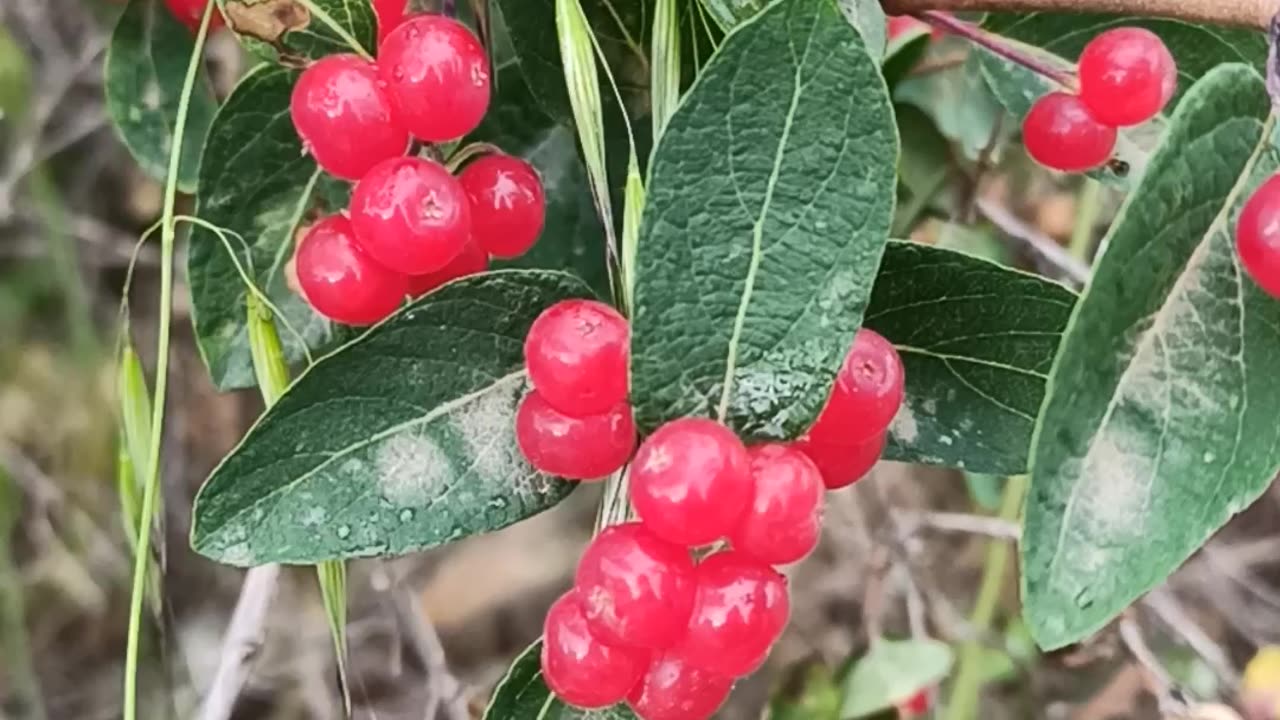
(576, 355)
(189, 13)
(390, 14)
(340, 280)
(437, 73)
(586, 448)
(344, 117)
(691, 481)
(740, 610)
(1127, 76)
(470, 261)
(843, 465)
(1060, 134)
(784, 519)
(508, 206)
(672, 689)
(411, 215)
(867, 393)
(916, 706)
(579, 669)
(636, 589)
(1258, 236)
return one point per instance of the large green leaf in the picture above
(769, 201)
(288, 31)
(402, 440)
(977, 340)
(1159, 420)
(256, 181)
(866, 15)
(145, 68)
(522, 695)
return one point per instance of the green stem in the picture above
(968, 682)
(167, 241)
(1087, 210)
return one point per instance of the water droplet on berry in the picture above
(344, 531)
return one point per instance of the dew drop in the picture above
(406, 515)
(1209, 457)
(344, 531)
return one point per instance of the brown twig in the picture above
(996, 45)
(1238, 13)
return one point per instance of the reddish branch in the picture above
(1239, 13)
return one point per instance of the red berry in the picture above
(1126, 76)
(917, 705)
(579, 669)
(783, 521)
(691, 481)
(344, 116)
(508, 205)
(189, 13)
(740, 610)
(1258, 236)
(586, 448)
(438, 75)
(390, 14)
(411, 215)
(576, 354)
(472, 260)
(843, 465)
(902, 24)
(1060, 134)
(340, 280)
(867, 393)
(636, 589)
(674, 690)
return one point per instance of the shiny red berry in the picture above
(470, 261)
(672, 689)
(189, 13)
(1127, 76)
(740, 610)
(508, 205)
(340, 280)
(411, 215)
(636, 589)
(1258, 236)
(585, 448)
(576, 354)
(579, 669)
(916, 706)
(390, 14)
(843, 465)
(437, 73)
(783, 521)
(867, 393)
(1060, 134)
(344, 117)
(691, 481)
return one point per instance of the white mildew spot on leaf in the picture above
(315, 516)
(238, 555)
(487, 426)
(904, 428)
(412, 469)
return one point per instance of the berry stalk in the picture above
(1236, 13)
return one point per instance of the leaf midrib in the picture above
(757, 230)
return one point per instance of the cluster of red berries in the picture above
(1126, 76)
(644, 622)
(411, 225)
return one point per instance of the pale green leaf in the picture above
(891, 672)
(1159, 422)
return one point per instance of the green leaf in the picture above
(255, 180)
(522, 695)
(893, 671)
(960, 104)
(402, 440)
(866, 15)
(288, 32)
(619, 27)
(977, 340)
(1159, 420)
(769, 201)
(145, 68)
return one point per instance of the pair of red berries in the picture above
(1126, 77)
(411, 225)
